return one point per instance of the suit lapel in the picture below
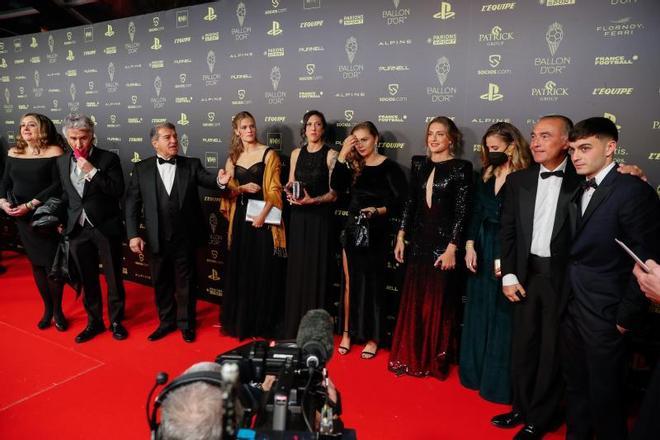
(150, 177)
(566, 193)
(86, 183)
(182, 176)
(527, 202)
(600, 195)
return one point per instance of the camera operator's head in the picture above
(195, 410)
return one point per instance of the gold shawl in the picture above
(272, 191)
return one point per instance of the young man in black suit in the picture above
(92, 186)
(605, 301)
(165, 188)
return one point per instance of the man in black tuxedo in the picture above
(536, 238)
(92, 185)
(165, 188)
(605, 301)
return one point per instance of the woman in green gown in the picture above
(485, 354)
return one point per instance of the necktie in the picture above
(591, 183)
(171, 160)
(546, 174)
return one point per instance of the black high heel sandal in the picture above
(342, 350)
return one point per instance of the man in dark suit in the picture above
(536, 237)
(165, 188)
(605, 301)
(92, 185)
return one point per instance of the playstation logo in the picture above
(156, 45)
(109, 31)
(70, 56)
(275, 30)
(3, 63)
(136, 157)
(34, 43)
(493, 93)
(183, 120)
(214, 275)
(210, 14)
(445, 12)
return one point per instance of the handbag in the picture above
(356, 234)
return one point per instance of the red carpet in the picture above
(53, 388)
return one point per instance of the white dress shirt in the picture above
(589, 192)
(166, 171)
(545, 208)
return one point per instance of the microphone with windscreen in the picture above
(315, 338)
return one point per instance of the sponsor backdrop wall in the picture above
(395, 62)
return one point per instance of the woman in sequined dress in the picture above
(425, 342)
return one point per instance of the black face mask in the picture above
(497, 158)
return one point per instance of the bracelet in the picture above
(29, 205)
(469, 246)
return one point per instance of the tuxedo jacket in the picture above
(101, 195)
(600, 272)
(517, 222)
(142, 197)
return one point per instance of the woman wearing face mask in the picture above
(425, 337)
(309, 245)
(377, 186)
(486, 338)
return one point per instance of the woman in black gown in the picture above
(425, 340)
(30, 178)
(377, 186)
(252, 300)
(309, 238)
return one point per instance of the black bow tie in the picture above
(546, 174)
(591, 183)
(171, 160)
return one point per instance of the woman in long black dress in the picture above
(377, 187)
(30, 178)
(252, 300)
(309, 238)
(485, 360)
(425, 340)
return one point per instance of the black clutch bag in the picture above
(356, 234)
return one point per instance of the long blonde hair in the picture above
(236, 148)
(520, 156)
(48, 134)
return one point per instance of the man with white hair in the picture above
(194, 411)
(92, 186)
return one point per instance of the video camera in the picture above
(300, 389)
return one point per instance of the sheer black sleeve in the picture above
(410, 204)
(463, 176)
